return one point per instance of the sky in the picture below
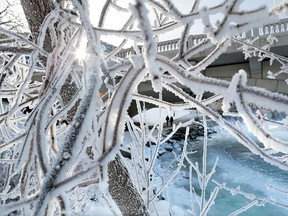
(115, 19)
(183, 5)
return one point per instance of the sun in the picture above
(81, 50)
(81, 53)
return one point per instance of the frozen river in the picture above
(237, 166)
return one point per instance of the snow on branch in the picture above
(260, 200)
(141, 12)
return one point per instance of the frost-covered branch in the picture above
(252, 197)
(238, 134)
(198, 84)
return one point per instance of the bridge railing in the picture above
(275, 28)
(172, 45)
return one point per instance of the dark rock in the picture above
(125, 154)
(169, 148)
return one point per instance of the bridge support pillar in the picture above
(255, 67)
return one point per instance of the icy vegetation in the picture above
(68, 145)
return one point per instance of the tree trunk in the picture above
(121, 188)
(35, 12)
(123, 191)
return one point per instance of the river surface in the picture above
(238, 167)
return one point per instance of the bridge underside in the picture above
(225, 67)
(230, 62)
(257, 71)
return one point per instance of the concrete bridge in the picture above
(233, 59)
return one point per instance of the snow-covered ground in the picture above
(154, 115)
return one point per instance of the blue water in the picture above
(237, 166)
